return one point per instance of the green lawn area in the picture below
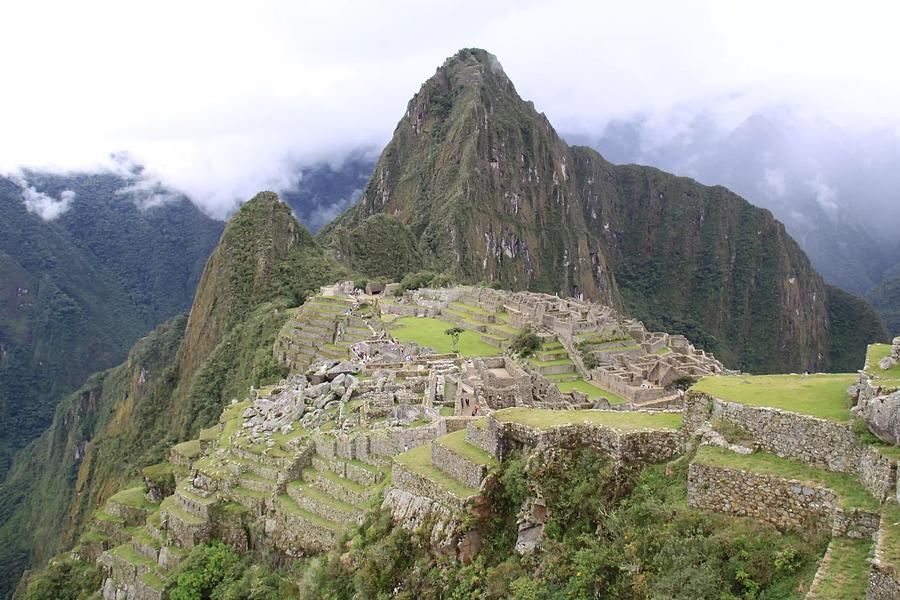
(287, 504)
(615, 419)
(550, 363)
(874, 354)
(131, 497)
(127, 552)
(846, 576)
(821, 395)
(591, 390)
(447, 411)
(456, 442)
(188, 449)
(418, 460)
(891, 540)
(429, 332)
(851, 494)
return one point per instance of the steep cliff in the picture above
(175, 382)
(487, 190)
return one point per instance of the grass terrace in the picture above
(418, 460)
(846, 574)
(820, 395)
(132, 497)
(126, 551)
(429, 332)
(614, 419)
(890, 541)
(873, 355)
(851, 494)
(591, 390)
(457, 443)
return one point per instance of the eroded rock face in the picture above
(882, 416)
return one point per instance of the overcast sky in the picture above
(221, 99)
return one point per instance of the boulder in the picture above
(882, 416)
(886, 363)
(345, 367)
(318, 390)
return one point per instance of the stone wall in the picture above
(784, 503)
(813, 441)
(487, 438)
(409, 481)
(457, 467)
(626, 448)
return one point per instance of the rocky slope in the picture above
(174, 382)
(476, 182)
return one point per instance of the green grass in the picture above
(890, 542)
(418, 460)
(591, 390)
(133, 497)
(334, 477)
(310, 491)
(851, 494)
(429, 332)
(172, 508)
(663, 351)
(143, 537)
(457, 443)
(189, 449)
(288, 505)
(470, 308)
(205, 501)
(874, 354)
(821, 395)
(93, 536)
(105, 516)
(446, 411)
(846, 576)
(153, 580)
(615, 419)
(234, 411)
(127, 552)
(550, 363)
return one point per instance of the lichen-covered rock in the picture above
(882, 416)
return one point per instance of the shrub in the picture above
(525, 343)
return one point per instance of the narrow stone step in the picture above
(346, 490)
(257, 483)
(240, 465)
(315, 500)
(352, 469)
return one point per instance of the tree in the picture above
(454, 333)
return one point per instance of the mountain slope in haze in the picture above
(175, 382)
(833, 188)
(324, 190)
(78, 290)
(486, 190)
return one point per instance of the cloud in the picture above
(41, 204)
(826, 195)
(221, 99)
(773, 183)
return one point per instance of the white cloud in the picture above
(43, 205)
(773, 183)
(222, 99)
(826, 195)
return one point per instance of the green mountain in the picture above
(477, 183)
(174, 382)
(78, 290)
(885, 298)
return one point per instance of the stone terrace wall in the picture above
(457, 467)
(486, 438)
(810, 440)
(626, 448)
(884, 578)
(782, 502)
(418, 485)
